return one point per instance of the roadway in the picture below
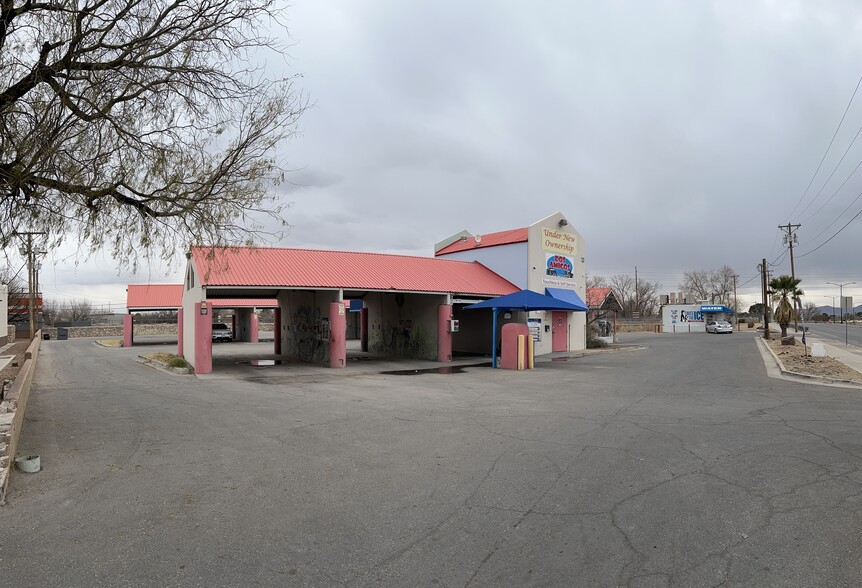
(678, 464)
(835, 332)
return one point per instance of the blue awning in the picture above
(714, 308)
(526, 300)
(569, 296)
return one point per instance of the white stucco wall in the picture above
(509, 261)
(191, 295)
(682, 318)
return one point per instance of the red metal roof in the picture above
(598, 297)
(170, 296)
(489, 240)
(244, 302)
(314, 268)
(142, 296)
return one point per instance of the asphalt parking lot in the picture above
(680, 463)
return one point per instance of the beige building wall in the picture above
(549, 237)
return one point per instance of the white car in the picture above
(719, 327)
(221, 332)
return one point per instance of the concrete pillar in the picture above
(337, 335)
(128, 330)
(444, 336)
(276, 326)
(243, 318)
(233, 327)
(203, 341)
(253, 337)
(363, 329)
(180, 332)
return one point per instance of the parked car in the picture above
(221, 332)
(719, 327)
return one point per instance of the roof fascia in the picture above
(449, 240)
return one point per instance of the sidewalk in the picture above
(850, 355)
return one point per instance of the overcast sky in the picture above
(674, 135)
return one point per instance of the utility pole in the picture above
(763, 271)
(790, 239)
(637, 295)
(735, 302)
(32, 276)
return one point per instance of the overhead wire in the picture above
(825, 153)
(838, 189)
(835, 169)
(832, 237)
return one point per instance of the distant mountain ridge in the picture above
(830, 310)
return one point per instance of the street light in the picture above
(832, 308)
(841, 301)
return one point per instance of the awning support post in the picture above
(494, 339)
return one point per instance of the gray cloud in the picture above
(675, 135)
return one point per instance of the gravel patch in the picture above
(795, 359)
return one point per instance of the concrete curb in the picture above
(821, 380)
(12, 423)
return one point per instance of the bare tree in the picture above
(624, 287)
(722, 286)
(79, 310)
(135, 124)
(596, 281)
(715, 287)
(697, 282)
(51, 311)
(810, 311)
(646, 295)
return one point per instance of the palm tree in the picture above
(785, 287)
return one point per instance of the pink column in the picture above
(337, 335)
(180, 332)
(276, 326)
(363, 329)
(444, 336)
(128, 330)
(253, 335)
(203, 342)
(509, 345)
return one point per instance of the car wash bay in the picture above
(406, 302)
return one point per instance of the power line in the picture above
(835, 169)
(832, 237)
(835, 134)
(838, 189)
(779, 259)
(837, 218)
(752, 278)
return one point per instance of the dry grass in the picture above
(167, 359)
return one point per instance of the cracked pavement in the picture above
(681, 464)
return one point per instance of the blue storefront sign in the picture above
(715, 308)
